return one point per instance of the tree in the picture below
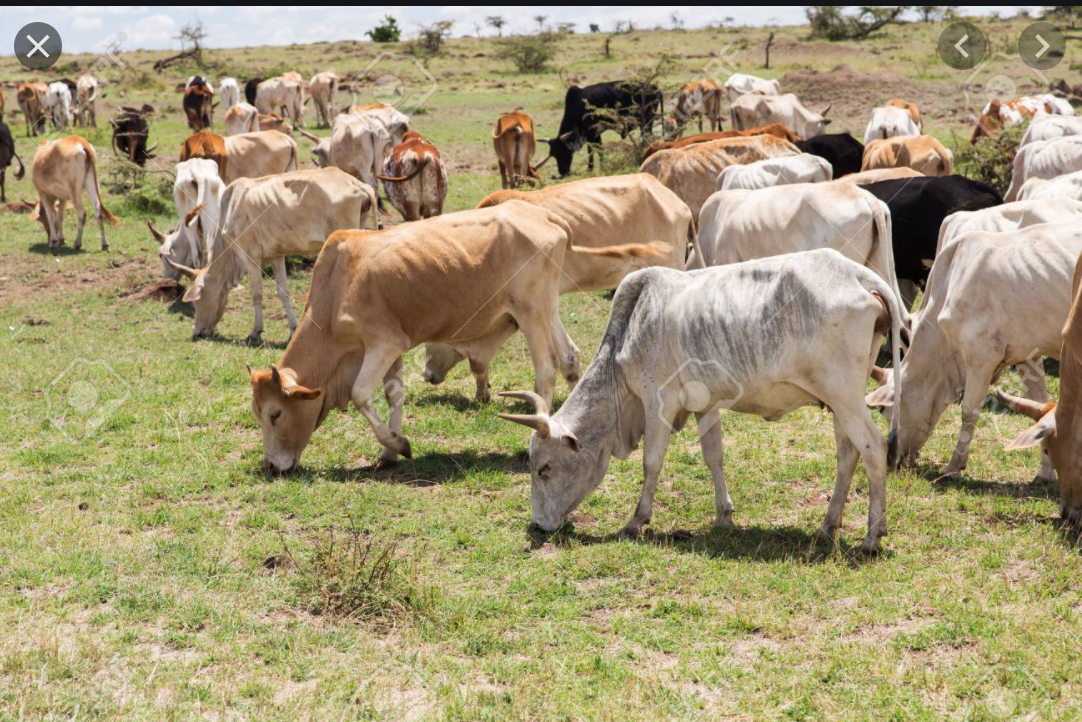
(832, 23)
(191, 39)
(433, 34)
(528, 53)
(677, 23)
(540, 20)
(496, 21)
(595, 28)
(386, 32)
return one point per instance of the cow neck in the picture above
(601, 410)
(318, 363)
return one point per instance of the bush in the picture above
(990, 159)
(528, 53)
(386, 32)
(832, 23)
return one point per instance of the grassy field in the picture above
(150, 570)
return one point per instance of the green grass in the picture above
(134, 581)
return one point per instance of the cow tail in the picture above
(292, 156)
(92, 168)
(882, 254)
(374, 201)
(22, 170)
(693, 236)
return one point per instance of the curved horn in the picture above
(1026, 407)
(540, 405)
(308, 135)
(546, 160)
(537, 422)
(826, 110)
(151, 149)
(158, 236)
(191, 273)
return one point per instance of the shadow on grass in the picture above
(458, 402)
(43, 249)
(242, 342)
(980, 487)
(426, 470)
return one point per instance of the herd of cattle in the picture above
(757, 269)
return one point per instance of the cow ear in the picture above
(194, 292)
(303, 392)
(1035, 434)
(570, 441)
(881, 397)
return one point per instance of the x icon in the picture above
(37, 46)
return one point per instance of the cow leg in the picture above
(909, 291)
(80, 215)
(538, 335)
(978, 380)
(3, 189)
(378, 364)
(656, 442)
(48, 207)
(1033, 380)
(847, 463)
(394, 390)
(281, 285)
(855, 422)
(570, 358)
(96, 202)
(710, 438)
(59, 204)
(481, 354)
(255, 275)
(504, 183)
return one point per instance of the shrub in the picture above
(528, 53)
(386, 32)
(990, 159)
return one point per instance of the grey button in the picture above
(38, 46)
(1042, 46)
(962, 46)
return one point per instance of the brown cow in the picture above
(778, 130)
(62, 170)
(922, 153)
(31, 97)
(515, 143)
(999, 114)
(914, 111)
(273, 121)
(699, 97)
(206, 144)
(415, 178)
(198, 105)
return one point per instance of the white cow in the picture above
(803, 168)
(254, 155)
(229, 92)
(1008, 217)
(763, 337)
(395, 121)
(357, 145)
(1047, 127)
(197, 193)
(86, 112)
(58, 103)
(754, 111)
(323, 87)
(739, 84)
(1045, 159)
(1066, 186)
(241, 118)
(888, 122)
(283, 96)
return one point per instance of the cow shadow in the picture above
(43, 249)
(982, 487)
(425, 470)
(242, 342)
(458, 402)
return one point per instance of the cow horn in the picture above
(546, 160)
(566, 136)
(540, 405)
(157, 234)
(191, 273)
(544, 140)
(151, 149)
(826, 110)
(539, 421)
(1026, 407)
(308, 135)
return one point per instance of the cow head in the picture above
(439, 359)
(562, 148)
(209, 295)
(287, 412)
(168, 246)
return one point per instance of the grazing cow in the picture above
(1056, 425)
(241, 118)
(922, 153)
(699, 98)
(1046, 159)
(263, 220)
(230, 92)
(415, 178)
(515, 143)
(62, 170)
(324, 89)
(739, 84)
(691, 172)
(393, 288)
(841, 150)
(206, 144)
(918, 207)
(909, 107)
(393, 120)
(357, 145)
(7, 152)
(1008, 217)
(602, 212)
(86, 101)
(1066, 186)
(254, 155)
(1050, 127)
(251, 89)
(679, 344)
(130, 134)
(273, 121)
(198, 105)
(753, 111)
(994, 300)
(1000, 114)
(198, 81)
(637, 104)
(777, 130)
(890, 122)
(58, 103)
(31, 97)
(197, 193)
(803, 168)
(282, 95)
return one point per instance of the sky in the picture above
(154, 27)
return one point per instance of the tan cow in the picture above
(357, 145)
(63, 169)
(777, 130)
(880, 174)
(393, 120)
(415, 178)
(254, 155)
(241, 118)
(273, 121)
(206, 144)
(515, 143)
(699, 98)
(377, 295)
(263, 220)
(691, 172)
(323, 87)
(914, 111)
(283, 95)
(86, 100)
(31, 97)
(999, 114)
(922, 153)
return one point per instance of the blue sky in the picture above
(86, 29)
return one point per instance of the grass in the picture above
(141, 542)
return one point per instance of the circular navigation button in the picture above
(1042, 46)
(962, 46)
(38, 46)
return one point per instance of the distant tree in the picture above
(528, 53)
(677, 23)
(566, 28)
(433, 35)
(929, 13)
(386, 32)
(831, 22)
(496, 21)
(540, 20)
(191, 37)
(595, 28)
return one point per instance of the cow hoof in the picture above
(253, 339)
(386, 462)
(724, 520)
(828, 534)
(870, 546)
(631, 532)
(483, 397)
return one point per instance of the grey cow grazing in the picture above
(762, 337)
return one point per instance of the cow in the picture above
(515, 143)
(198, 106)
(803, 168)
(197, 193)
(909, 107)
(62, 170)
(922, 153)
(624, 103)
(1066, 186)
(31, 97)
(393, 286)
(263, 220)
(206, 144)
(86, 100)
(691, 172)
(1050, 127)
(229, 92)
(841, 150)
(251, 89)
(1008, 217)
(282, 95)
(1046, 159)
(198, 81)
(130, 134)
(918, 207)
(777, 130)
(601, 212)
(241, 118)
(7, 152)
(1056, 425)
(58, 103)
(753, 111)
(890, 122)
(994, 300)
(699, 98)
(881, 174)
(273, 121)
(357, 145)
(396, 123)
(999, 114)
(679, 344)
(739, 84)
(415, 178)
(323, 87)
(254, 155)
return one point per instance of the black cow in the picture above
(917, 209)
(841, 150)
(638, 102)
(7, 152)
(250, 90)
(130, 133)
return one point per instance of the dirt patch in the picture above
(841, 77)
(167, 291)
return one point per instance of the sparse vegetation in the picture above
(833, 22)
(529, 53)
(990, 159)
